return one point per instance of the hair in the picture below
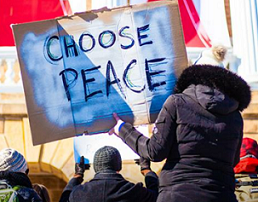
(219, 52)
(42, 192)
(216, 77)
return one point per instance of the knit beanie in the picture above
(107, 158)
(12, 160)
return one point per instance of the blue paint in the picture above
(87, 81)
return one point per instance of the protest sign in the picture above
(77, 70)
(87, 145)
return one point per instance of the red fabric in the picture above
(20, 11)
(247, 165)
(194, 33)
(249, 146)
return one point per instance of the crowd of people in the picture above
(199, 134)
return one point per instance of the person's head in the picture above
(213, 56)
(12, 160)
(107, 159)
(216, 77)
(42, 192)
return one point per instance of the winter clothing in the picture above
(249, 148)
(107, 158)
(26, 192)
(111, 186)
(199, 131)
(12, 160)
(107, 185)
(247, 165)
(246, 171)
(248, 157)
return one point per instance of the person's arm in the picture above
(237, 154)
(150, 193)
(152, 182)
(76, 180)
(151, 179)
(158, 146)
(69, 187)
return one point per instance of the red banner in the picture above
(13, 12)
(20, 11)
(194, 33)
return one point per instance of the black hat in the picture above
(107, 158)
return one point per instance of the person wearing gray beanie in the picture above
(107, 158)
(108, 184)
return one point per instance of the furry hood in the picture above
(216, 77)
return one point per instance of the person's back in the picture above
(199, 132)
(13, 173)
(111, 186)
(205, 144)
(108, 185)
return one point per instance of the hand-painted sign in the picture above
(87, 145)
(78, 70)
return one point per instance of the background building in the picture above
(232, 23)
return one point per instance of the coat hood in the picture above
(211, 99)
(226, 82)
(16, 178)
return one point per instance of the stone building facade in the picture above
(52, 164)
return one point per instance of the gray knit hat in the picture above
(12, 160)
(107, 158)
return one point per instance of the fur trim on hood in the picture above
(216, 77)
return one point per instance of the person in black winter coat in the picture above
(14, 172)
(108, 185)
(199, 132)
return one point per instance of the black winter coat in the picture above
(199, 132)
(26, 193)
(201, 146)
(111, 187)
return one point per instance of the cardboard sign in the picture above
(87, 145)
(78, 70)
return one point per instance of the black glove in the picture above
(143, 163)
(81, 167)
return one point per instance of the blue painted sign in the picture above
(78, 70)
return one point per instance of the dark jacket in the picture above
(199, 131)
(110, 187)
(26, 193)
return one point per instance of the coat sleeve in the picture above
(158, 146)
(68, 189)
(150, 193)
(152, 182)
(237, 154)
